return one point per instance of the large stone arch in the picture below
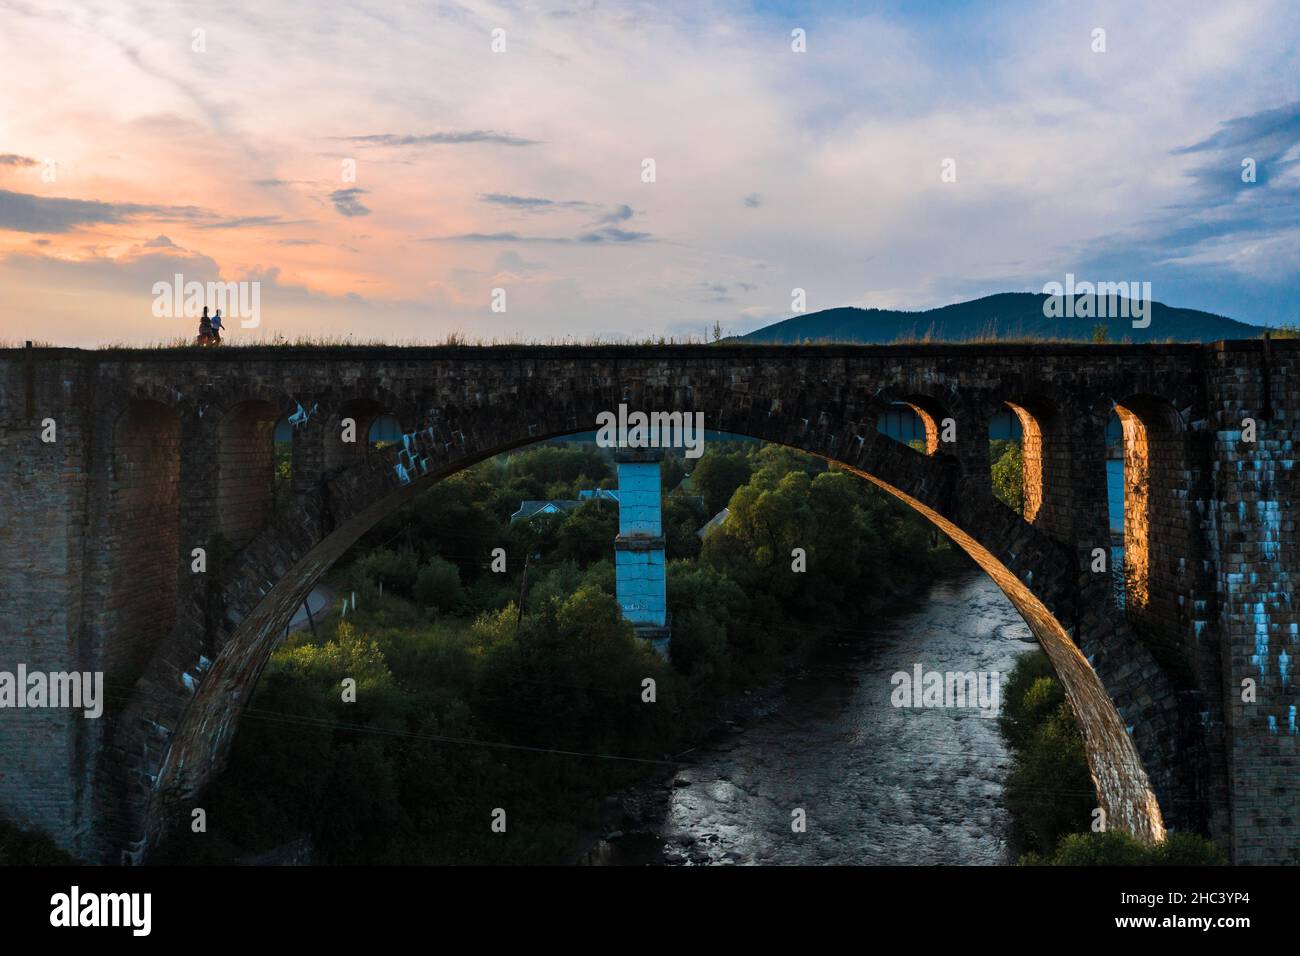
(172, 748)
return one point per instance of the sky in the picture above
(406, 171)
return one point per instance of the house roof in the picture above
(532, 508)
(713, 522)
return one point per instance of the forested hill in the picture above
(1007, 315)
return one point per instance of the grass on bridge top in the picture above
(460, 339)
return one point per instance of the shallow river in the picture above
(876, 783)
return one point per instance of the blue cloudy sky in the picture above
(128, 154)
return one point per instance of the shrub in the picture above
(1114, 848)
(397, 570)
(438, 585)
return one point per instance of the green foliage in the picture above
(1186, 849)
(1049, 790)
(1008, 473)
(717, 475)
(438, 585)
(671, 472)
(281, 489)
(586, 534)
(1021, 713)
(1114, 848)
(348, 655)
(682, 516)
(397, 570)
(552, 465)
(699, 647)
(861, 550)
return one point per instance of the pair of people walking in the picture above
(210, 328)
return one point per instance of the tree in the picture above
(438, 585)
(717, 476)
(396, 570)
(1049, 791)
(1008, 473)
(671, 472)
(699, 648)
(550, 464)
(766, 525)
(682, 518)
(587, 533)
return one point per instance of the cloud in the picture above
(510, 261)
(441, 139)
(249, 222)
(347, 203)
(610, 234)
(160, 242)
(601, 234)
(22, 212)
(1222, 223)
(719, 292)
(533, 202)
(620, 213)
(606, 234)
(13, 159)
(494, 237)
(842, 162)
(278, 183)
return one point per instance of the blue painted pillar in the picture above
(639, 547)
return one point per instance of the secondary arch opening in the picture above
(143, 541)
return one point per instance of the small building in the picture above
(712, 523)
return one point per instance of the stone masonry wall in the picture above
(1257, 556)
(244, 472)
(97, 785)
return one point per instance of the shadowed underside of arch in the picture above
(272, 576)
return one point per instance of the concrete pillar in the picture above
(639, 547)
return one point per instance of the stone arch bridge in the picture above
(157, 452)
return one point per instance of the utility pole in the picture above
(523, 585)
(310, 618)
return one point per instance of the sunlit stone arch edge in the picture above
(1117, 772)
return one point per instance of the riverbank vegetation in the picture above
(524, 690)
(1049, 792)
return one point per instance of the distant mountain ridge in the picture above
(1005, 315)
